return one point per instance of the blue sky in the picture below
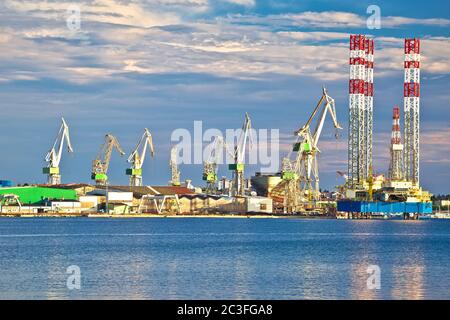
(162, 64)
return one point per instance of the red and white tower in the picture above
(360, 110)
(368, 92)
(412, 110)
(396, 164)
(356, 130)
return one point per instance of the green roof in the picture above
(37, 195)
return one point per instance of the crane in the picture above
(306, 161)
(210, 165)
(137, 158)
(175, 177)
(53, 156)
(239, 154)
(101, 163)
(300, 177)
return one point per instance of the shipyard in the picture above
(292, 191)
(232, 157)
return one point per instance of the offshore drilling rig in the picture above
(401, 192)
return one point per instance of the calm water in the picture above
(223, 258)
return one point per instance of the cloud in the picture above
(245, 3)
(103, 11)
(149, 37)
(332, 19)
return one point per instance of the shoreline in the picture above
(151, 215)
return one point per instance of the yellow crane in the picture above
(101, 164)
(300, 177)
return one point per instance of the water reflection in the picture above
(242, 275)
(226, 259)
(359, 289)
(408, 277)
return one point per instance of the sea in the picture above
(223, 258)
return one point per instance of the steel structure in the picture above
(396, 164)
(53, 157)
(210, 165)
(137, 158)
(238, 183)
(412, 110)
(306, 163)
(300, 177)
(101, 164)
(360, 110)
(368, 93)
(173, 164)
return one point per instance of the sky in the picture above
(163, 64)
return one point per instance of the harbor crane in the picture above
(210, 165)
(137, 158)
(101, 163)
(173, 164)
(307, 161)
(53, 157)
(300, 177)
(238, 185)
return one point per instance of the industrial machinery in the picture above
(401, 193)
(300, 177)
(238, 183)
(210, 164)
(9, 199)
(396, 163)
(53, 157)
(137, 158)
(101, 163)
(412, 111)
(360, 128)
(173, 164)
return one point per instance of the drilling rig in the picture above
(300, 177)
(173, 164)
(137, 158)
(238, 185)
(53, 157)
(396, 164)
(101, 163)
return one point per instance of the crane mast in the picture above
(210, 165)
(137, 158)
(306, 161)
(238, 186)
(300, 178)
(101, 163)
(173, 164)
(53, 157)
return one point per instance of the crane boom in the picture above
(137, 158)
(330, 107)
(53, 157)
(101, 164)
(239, 156)
(306, 162)
(301, 177)
(210, 165)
